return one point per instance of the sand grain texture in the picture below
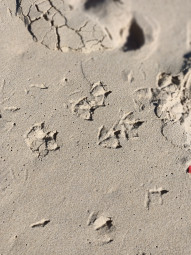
(95, 123)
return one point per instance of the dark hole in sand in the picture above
(156, 104)
(109, 224)
(176, 80)
(93, 3)
(136, 38)
(186, 62)
(138, 124)
(164, 192)
(187, 55)
(18, 3)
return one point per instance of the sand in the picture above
(95, 123)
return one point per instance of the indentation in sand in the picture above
(102, 222)
(171, 100)
(86, 106)
(136, 38)
(126, 128)
(11, 108)
(154, 192)
(40, 223)
(103, 225)
(92, 217)
(40, 86)
(125, 30)
(186, 61)
(93, 3)
(39, 141)
(6, 124)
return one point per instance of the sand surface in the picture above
(95, 123)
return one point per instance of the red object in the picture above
(189, 170)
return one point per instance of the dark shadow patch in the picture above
(118, 1)
(186, 62)
(40, 224)
(156, 104)
(164, 191)
(92, 4)
(138, 124)
(136, 38)
(187, 55)
(18, 5)
(109, 224)
(31, 32)
(188, 170)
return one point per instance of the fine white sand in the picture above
(95, 123)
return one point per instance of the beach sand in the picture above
(95, 123)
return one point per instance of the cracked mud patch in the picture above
(54, 24)
(58, 25)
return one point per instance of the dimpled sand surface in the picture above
(95, 124)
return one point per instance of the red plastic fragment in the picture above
(189, 170)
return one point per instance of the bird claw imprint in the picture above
(171, 99)
(40, 223)
(103, 225)
(126, 127)
(39, 141)
(85, 106)
(155, 191)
